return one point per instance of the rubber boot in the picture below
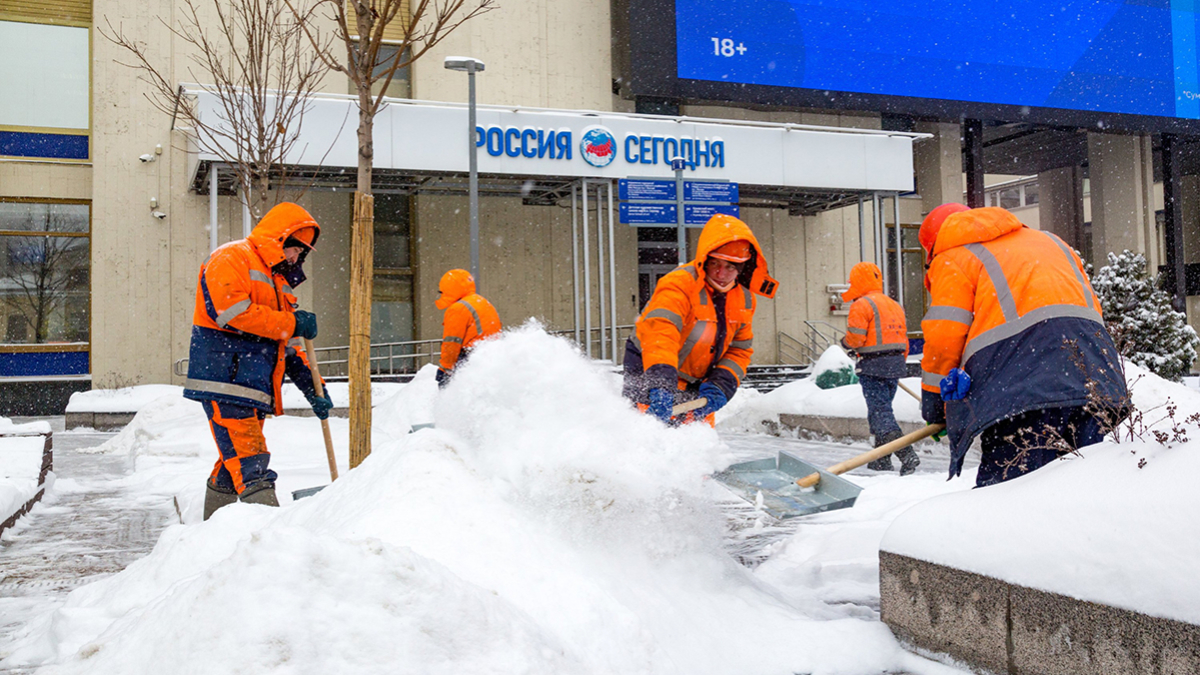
(909, 461)
(884, 463)
(260, 493)
(216, 497)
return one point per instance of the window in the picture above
(45, 83)
(1010, 198)
(45, 264)
(392, 296)
(1031, 194)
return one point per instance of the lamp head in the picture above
(464, 64)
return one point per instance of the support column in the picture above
(1173, 227)
(973, 149)
(1060, 205)
(938, 163)
(1118, 172)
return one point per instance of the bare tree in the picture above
(38, 275)
(375, 51)
(263, 62)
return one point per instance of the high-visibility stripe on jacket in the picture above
(1013, 307)
(691, 332)
(244, 318)
(465, 322)
(876, 325)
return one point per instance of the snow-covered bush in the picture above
(1144, 326)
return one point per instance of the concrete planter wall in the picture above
(838, 427)
(997, 627)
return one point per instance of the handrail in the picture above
(407, 357)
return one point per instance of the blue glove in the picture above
(955, 385)
(321, 406)
(933, 410)
(716, 399)
(306, 325)
(661, 402)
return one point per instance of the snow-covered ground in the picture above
(133, 399)
(21, 447)
(542, 526)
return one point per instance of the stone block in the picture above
(997, 627)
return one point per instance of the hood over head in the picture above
(454, 286)
(283, 221)
(973, 226)
(723, 229)
(865, 277)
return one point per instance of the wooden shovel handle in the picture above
(320, 388)
(872, 455)
(910, 392)
(688, 406)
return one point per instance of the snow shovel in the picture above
(884, 450)
(774, 484)
(320, 389)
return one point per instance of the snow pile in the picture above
(125, 399)
(833, 358)
(543, 526)
(21, 447)
(407, 406)
(804, 397)
(20, 468)
(1115, 526)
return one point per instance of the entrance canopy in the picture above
(422, 147)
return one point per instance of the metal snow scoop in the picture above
(787, 486)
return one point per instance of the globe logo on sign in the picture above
(598, 147)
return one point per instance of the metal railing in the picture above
(406, 358)
(818, 337)
(601, 338)
(387, 358)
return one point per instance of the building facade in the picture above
(100, 204)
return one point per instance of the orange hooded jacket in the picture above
(1013, 307)
(469, 316)
(677, 331)
(244, 317)
(876, 322)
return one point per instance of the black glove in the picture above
(443, 378)
(933, 409)
(306, 325)
(321, 406)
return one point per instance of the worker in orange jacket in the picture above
(695, 337)
(468, 319)
(877, 335)
(1015, 344)
(246, 334)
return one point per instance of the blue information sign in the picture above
(709, 191)
(696, 215)
(635, 189)
(648, 214)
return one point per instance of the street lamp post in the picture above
(471, 66)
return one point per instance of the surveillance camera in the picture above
(158, 214)
(147, 157)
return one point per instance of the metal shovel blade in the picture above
(775, 481)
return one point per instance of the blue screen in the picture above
(1132, 56)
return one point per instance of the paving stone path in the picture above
(88, 528)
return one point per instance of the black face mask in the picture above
(292, 272)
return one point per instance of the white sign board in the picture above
(423, 137)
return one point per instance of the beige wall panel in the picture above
(327, 291)
(525, 261)
(538, 53)
(45, 179)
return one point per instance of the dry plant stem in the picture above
(263, 63)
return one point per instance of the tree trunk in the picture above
(362, 270)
